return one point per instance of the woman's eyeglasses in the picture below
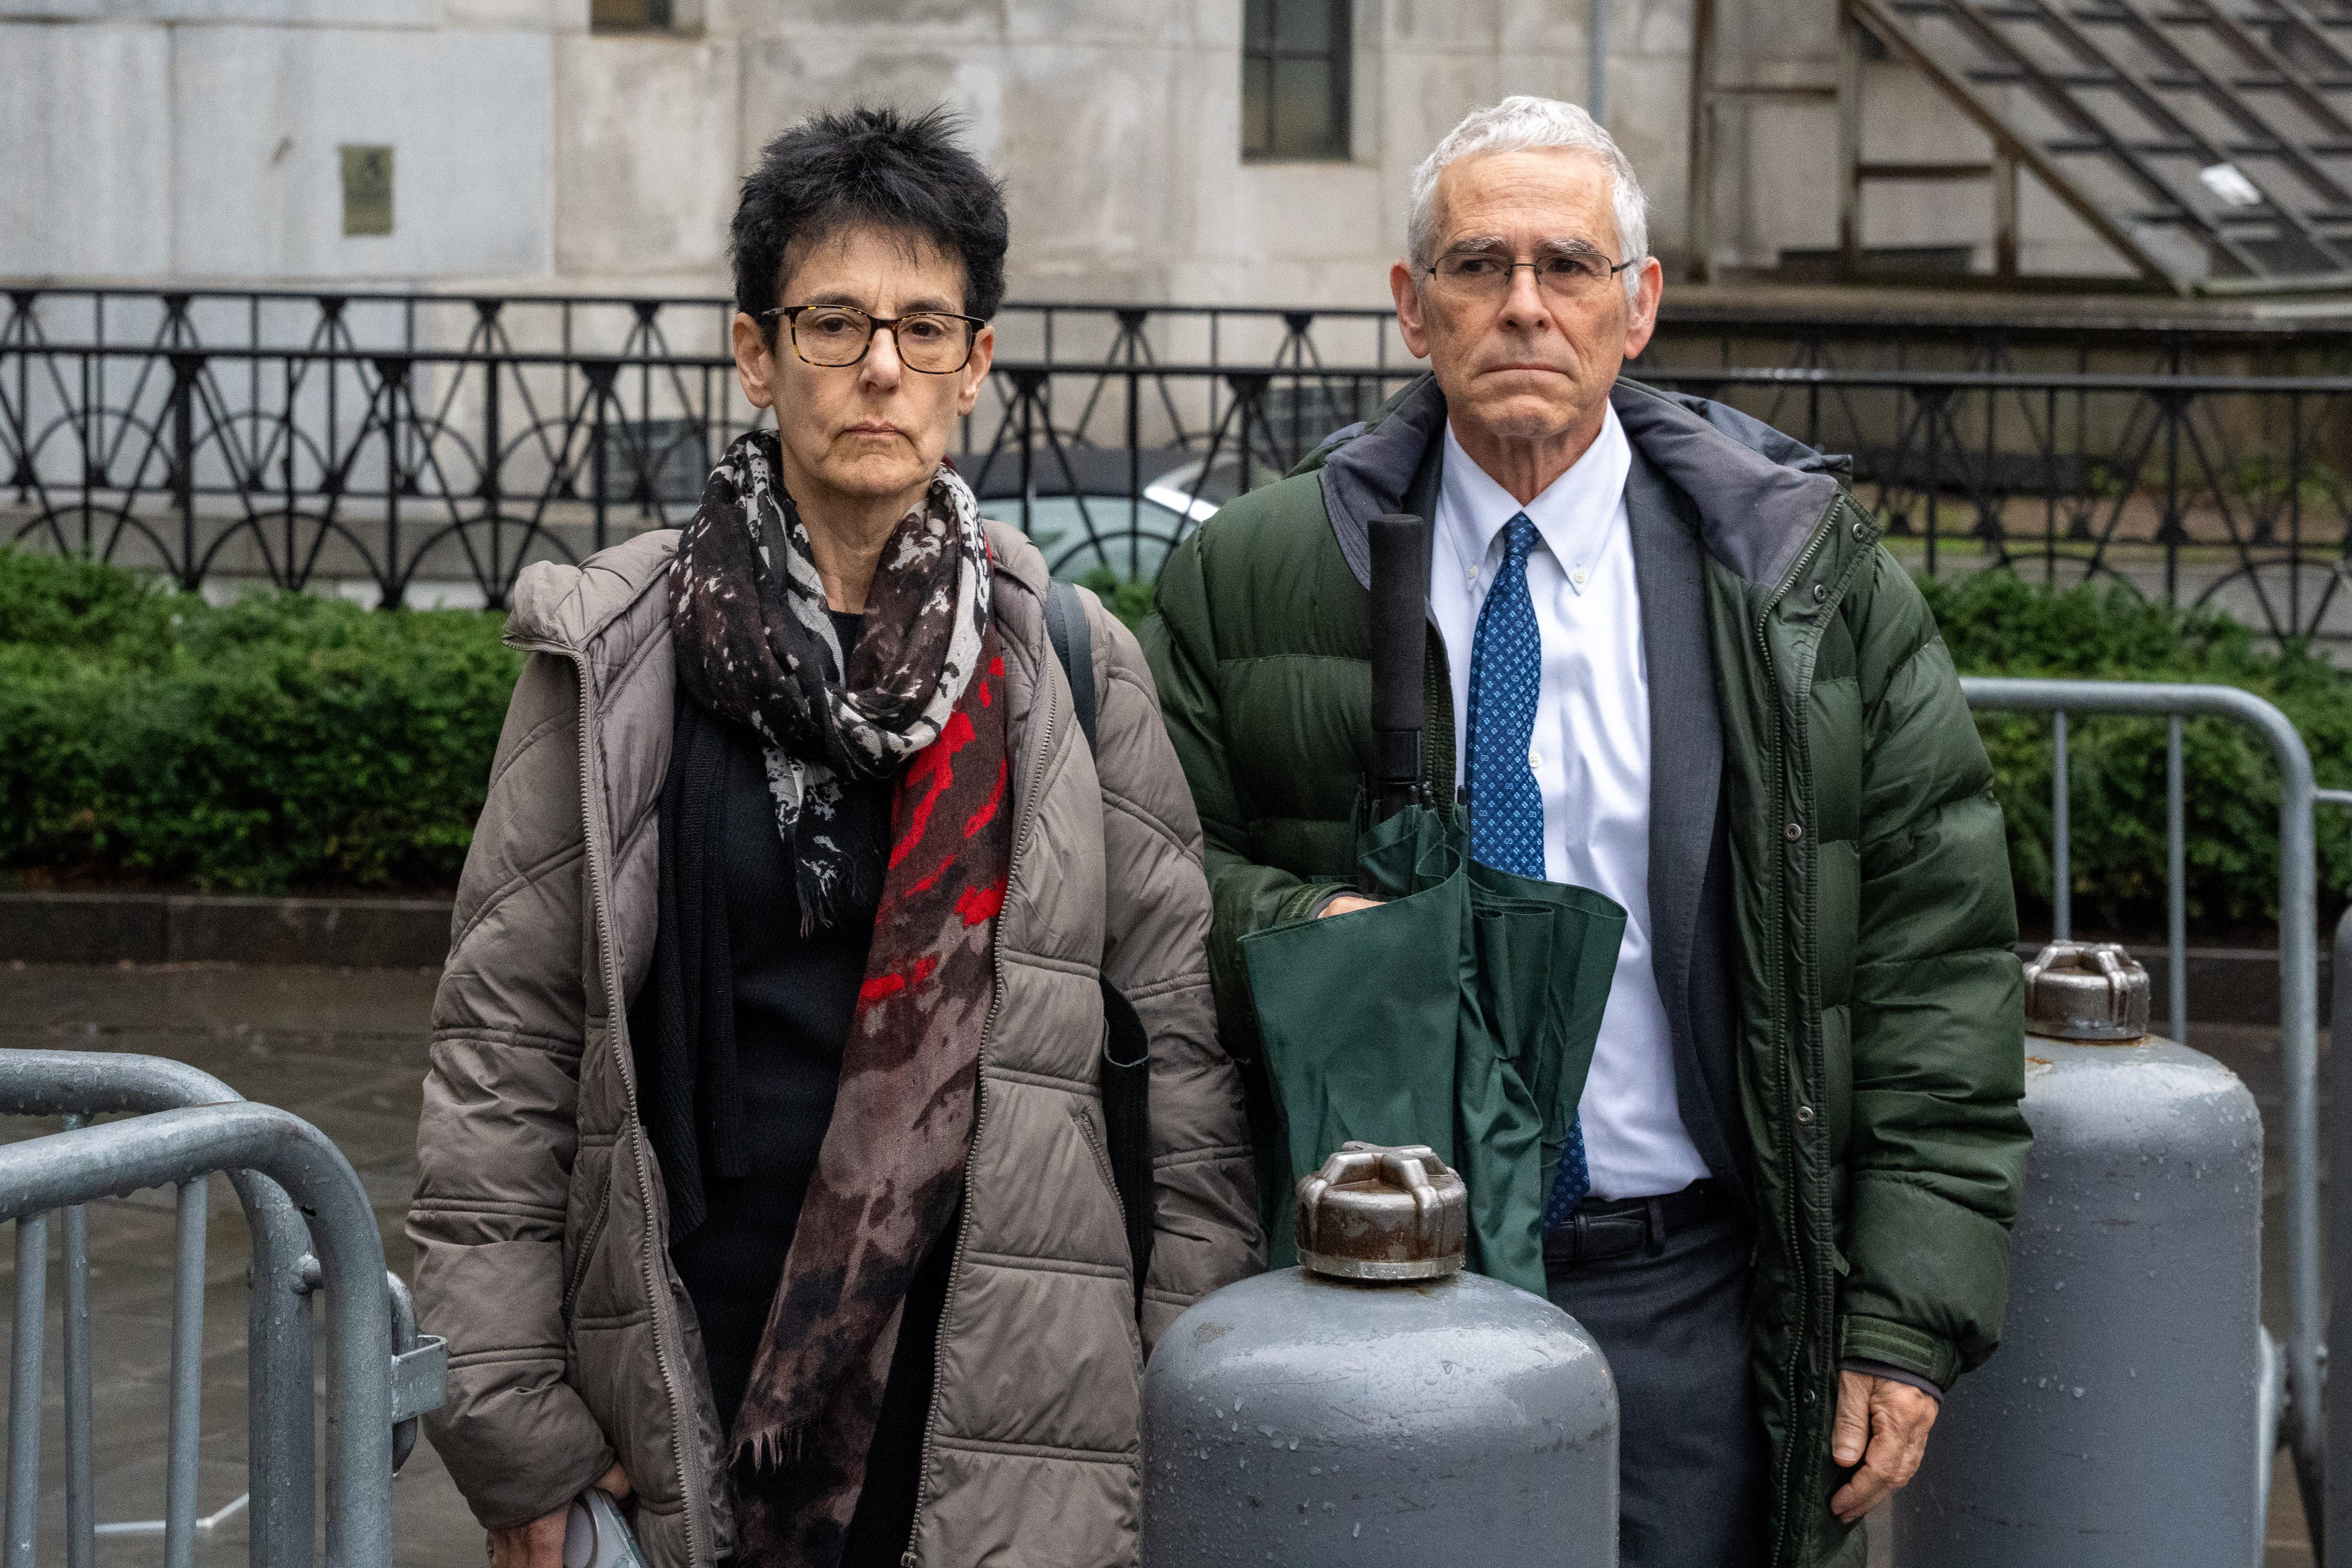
(1564, 275)
(936, 342)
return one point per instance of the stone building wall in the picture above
(198, 140)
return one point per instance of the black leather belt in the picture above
(1600, 1228)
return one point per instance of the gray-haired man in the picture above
(1679, 670)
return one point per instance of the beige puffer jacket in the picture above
(540, 1222)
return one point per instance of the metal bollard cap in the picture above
(2085, 991)
(1374, 1213)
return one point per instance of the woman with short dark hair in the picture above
(764, 1177)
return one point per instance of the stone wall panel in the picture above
(258, 115)
(647, 155)
(198, 139)
(86, 183)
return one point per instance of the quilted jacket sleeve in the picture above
(496, 1140)
(1937, 1154)
(1249, 897)
(1157, 928)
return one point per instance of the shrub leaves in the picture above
(285, 741)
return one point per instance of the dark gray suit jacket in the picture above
(1690, 898)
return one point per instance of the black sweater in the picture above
(793, 996)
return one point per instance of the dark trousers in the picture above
(1673, 1319)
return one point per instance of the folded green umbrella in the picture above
(1461, 1014)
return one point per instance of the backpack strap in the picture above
(1125, 1074)
(1073, 639)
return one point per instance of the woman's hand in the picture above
(539, 1543)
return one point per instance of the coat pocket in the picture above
(584, 1251)
(1093, 1135)
(1837, 1077)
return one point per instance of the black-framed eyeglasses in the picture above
(937, 342)
(1574, 274)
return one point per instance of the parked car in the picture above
(1095, 508)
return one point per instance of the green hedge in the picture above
(1131, 599)
(1997, 625)
(289, 741)
(283, 743)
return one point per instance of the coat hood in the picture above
(555, 605)
(1759, 493)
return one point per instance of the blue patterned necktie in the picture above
(1506, 824)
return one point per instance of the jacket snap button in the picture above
(1793, 832)
(1805, 1115)
(1862, 534)
(1820, 591)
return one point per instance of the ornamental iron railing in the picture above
(418, 450)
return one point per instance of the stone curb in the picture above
(188, 928)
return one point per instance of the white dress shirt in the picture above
(1590, 753)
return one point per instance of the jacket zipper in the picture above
(610, 961)
(1094, 1137)
(910, 1558)
(1787, 1139)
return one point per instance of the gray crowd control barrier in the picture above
(2300, 1427)
(313, 1232)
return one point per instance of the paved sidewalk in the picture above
(345, 1051)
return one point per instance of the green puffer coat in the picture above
(1879, 993)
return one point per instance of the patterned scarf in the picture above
(926, 688)
(756, 647)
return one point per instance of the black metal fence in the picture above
(421, 450)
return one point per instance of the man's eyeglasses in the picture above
(1563, 274)
(936, 342)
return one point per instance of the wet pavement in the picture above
(345, 1049)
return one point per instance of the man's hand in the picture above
(1346, 903)
(1882, 1425)
(539, 1543)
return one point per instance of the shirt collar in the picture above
(1573, 514)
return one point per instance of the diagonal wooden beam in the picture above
(2221, 97)
(2056, 98)
(1897, 37)
(2313, 31)
(2298, 85)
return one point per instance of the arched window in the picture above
(1295, 70)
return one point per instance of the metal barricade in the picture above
(2300, 1428)
(313, 1230)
